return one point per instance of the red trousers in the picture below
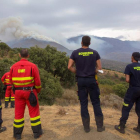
(21, 100)
(8, 93)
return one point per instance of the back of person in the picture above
(134, 71)
(132, 74)
(9, 96)
(24, 75)
(5, 79)
(85, 60)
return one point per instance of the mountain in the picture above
(108, 48)
(111, 48)
(30, 42)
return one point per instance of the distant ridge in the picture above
(111, 48)
(30, 42)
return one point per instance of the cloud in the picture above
(70, 18)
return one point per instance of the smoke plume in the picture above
(12, 28)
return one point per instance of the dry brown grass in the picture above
(112, 73)
(112, 101)
(62, 111)
(68, 98)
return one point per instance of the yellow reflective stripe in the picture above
(22, 84)
(22, 78)
(12, 97)
(37, 87)
(35, 118)
(35, 124)
(96, 78)
(7, 79)
(0, 106)
(99, 96)
(125, 104)
(19, 120)
(18, 126)
(7, 97)
(3, 82)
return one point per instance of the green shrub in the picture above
(51, 88)
(106, 82)
(116, 75)
(120, 89)
(122, 78)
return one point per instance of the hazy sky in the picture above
(111, 18)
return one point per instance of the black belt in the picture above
(24, 88)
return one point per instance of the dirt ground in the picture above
(69, 126)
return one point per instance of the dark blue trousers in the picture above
(85, 86)
(0, 113)
(132, 96)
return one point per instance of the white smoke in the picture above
(13, 28)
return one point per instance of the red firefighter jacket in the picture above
(25, 74)
(6, 79)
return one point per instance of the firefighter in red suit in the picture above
(24, 75)
(9, 92)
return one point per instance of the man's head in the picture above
(85, 41)
(24, 53)
(135, 56)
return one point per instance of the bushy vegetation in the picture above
(120, 90)
(112, 82)
(55, 76)
(52, 66)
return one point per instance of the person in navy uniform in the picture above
(132, 72)
(87, 63)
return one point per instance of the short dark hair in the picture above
(86, 40)
(24, 53)
(136, 56)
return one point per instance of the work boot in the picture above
(12, 104)
(38, 135)
(120, 128)
(99, 123)
(137, 129)
(18, 137)
(86, 124)
(6, 104)
(2, 128)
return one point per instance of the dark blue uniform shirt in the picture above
(133, 70)
(85, 60)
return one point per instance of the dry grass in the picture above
(112, 101)
(68, 98)
(113, 73)
(62, 111)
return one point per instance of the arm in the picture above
(98, 65)
(10, 75)
(37, 79)
(127, 78)
(70, 66)
(3, 79)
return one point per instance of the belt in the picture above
(8, 85)
(24, 88)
